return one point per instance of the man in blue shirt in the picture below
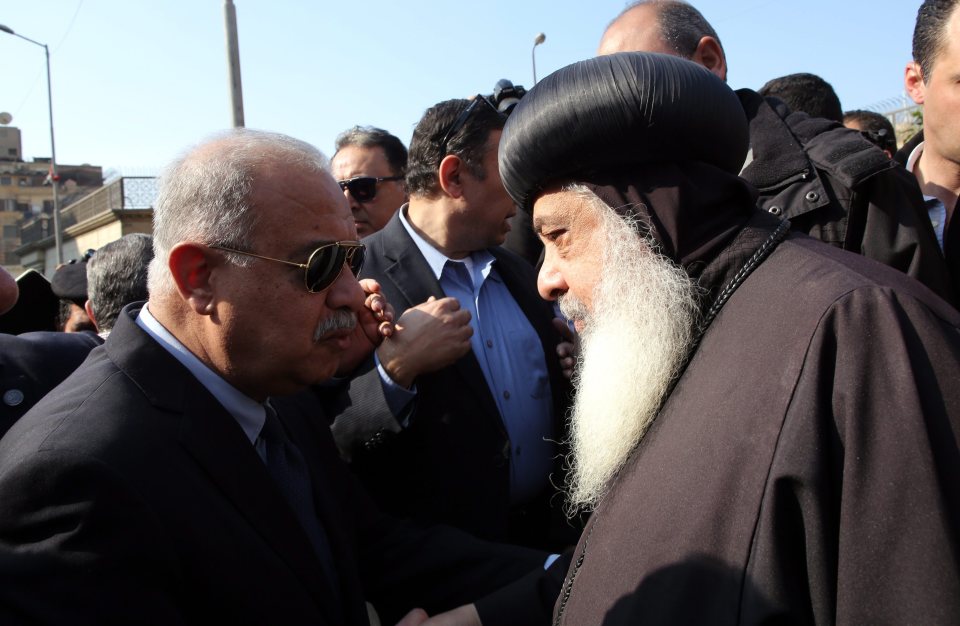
(456, 418)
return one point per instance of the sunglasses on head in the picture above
(461, 120)
(364, 188)
(324, 265)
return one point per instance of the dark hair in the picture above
(370, 137)
(681, 25)
(807, 93)
(117, 276)
(930, 33)
(468, 143)
(875, 127)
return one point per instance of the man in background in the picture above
(370, 164)
(69, 284)
(117, 276)
(875, 127)
(830, 182)
(934, 155)
(456, 418)
(807, 93)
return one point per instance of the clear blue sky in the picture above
(136, 82)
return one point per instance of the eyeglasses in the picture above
(462, 120)
(324, 265)
(364, 188)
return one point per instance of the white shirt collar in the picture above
(248, 412)
(914, 157)
(437, 260)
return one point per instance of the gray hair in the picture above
(117, 276)
(204, 195)
(372, 137)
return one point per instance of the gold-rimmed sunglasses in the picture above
(324, 265)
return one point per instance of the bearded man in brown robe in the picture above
(765, 428)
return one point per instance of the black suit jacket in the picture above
(32, 364)
(130, 495)
(452, 464)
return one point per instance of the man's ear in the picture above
(913, 82)
(449, 173)
(709, 53)
(88, 307)
(191, 266)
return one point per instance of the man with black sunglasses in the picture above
(456, 417)
(369, 165)
(169, 481)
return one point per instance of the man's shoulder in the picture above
(841, 152)
(838, 274)
(56, 346)
(96, 407)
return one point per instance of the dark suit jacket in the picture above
(32, 364)
(451, 465)
(951, 237)
(130, 495)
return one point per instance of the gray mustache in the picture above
(340, 319)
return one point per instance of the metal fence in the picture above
(127, 193)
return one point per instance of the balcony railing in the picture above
(124, 194)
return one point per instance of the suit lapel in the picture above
(404, 266)
(221, 449)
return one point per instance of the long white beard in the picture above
(632, 347)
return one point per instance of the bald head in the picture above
(8, 291)
(205, 195)
(668, 27)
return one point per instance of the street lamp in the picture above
(533, 54)
(54, 177)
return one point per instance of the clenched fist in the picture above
(426, 338)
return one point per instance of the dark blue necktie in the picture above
(288, 469)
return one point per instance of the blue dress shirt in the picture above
(511, 357)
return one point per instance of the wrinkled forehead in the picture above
(299, 202)
(560, 207)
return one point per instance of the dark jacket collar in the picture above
(218, 444)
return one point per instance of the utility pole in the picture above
(54, 176)
(233, 59)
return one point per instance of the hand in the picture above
(427, 337)
(465, 615)
(414, 618)
(568, 349)
(374, 323)
(376, 317)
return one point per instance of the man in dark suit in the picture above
(456, 418)
(32, 364)
(933, 155)
(159, 484)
